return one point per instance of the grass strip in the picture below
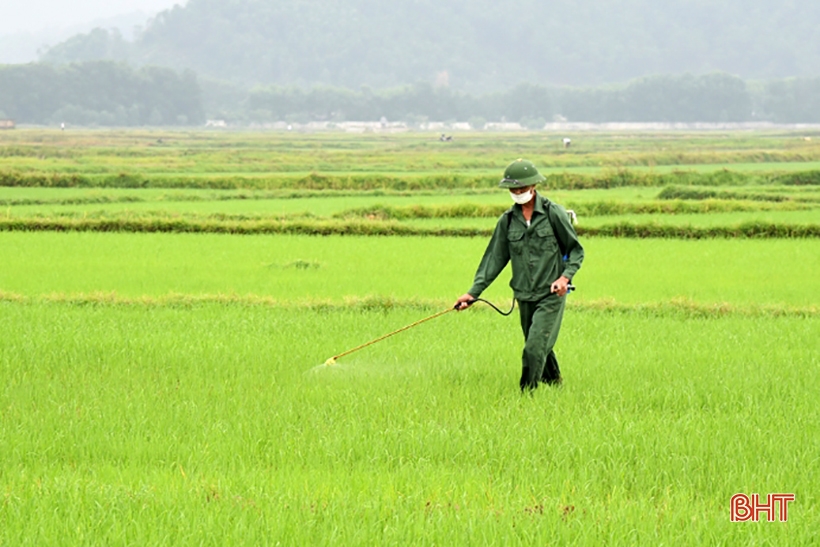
(709, 201)
(595, 208)
(90, 200)
(611, 178)
(239, 227)
(383, 228)
(683, 193)
(249, 195)
(674, 307)
(757, 230)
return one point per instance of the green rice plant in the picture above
(95, 196)
(463, 210)
(397, 182)
(744, 230)
(632, 271)
(200, 152)
(584, 208)
(681, 193)
(589, 224)
(161, 377)
(211, 424)
(807, 178)
(763, 216)
(723, 177)
(676, 307)
(71, 201)
(237, 225)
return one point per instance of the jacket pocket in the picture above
(543, 241)
(515, 239)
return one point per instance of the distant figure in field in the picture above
(446, 138)
(567, 142)
(62, 126)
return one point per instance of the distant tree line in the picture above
(108, 93)
(713, 97)
(102, 93)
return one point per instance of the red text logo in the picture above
(775, 507)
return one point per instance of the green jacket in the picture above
(536, 251)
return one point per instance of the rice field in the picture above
(169, 388)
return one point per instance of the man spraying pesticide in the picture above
(537, 236)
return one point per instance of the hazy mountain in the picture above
(23, 46)
(475, 45)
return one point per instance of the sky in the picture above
(37, 15)
(29, 26)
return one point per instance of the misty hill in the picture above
(473, 45)
(23, 46)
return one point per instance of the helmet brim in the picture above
(514, 183)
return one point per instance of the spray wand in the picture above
(332, 360)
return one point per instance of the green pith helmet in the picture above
(519, 174)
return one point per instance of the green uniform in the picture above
(537, 254)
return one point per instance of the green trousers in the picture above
(540, 322)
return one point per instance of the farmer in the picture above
(538, 237)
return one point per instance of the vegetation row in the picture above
(683, 193)
(241, 195)
(263, 153)
(726, 203)
(317, 181)
(674, 307)
(387, 228)
(593, 208)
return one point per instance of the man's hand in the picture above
(463, 302)
(559, 287)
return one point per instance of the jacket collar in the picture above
(540, 204)
(540, 207)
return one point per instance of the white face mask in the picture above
(521, 199)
